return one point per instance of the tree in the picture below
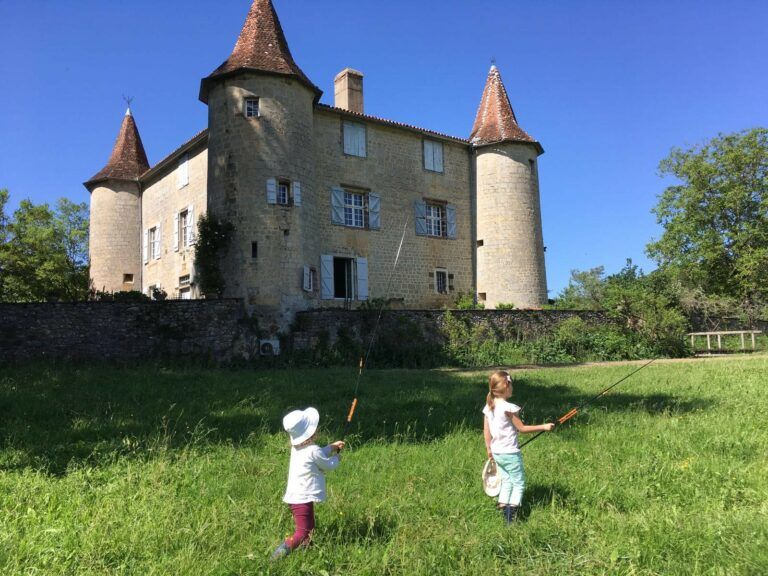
(43, 252)
(716, 219)
(213, 239)
(584, 290)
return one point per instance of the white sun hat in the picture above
(301, 424)
(491, 478)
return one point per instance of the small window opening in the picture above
(254, 249)
(127, 278)
(343, 276)
(479, 243)
(481, 296)
(184, 280)
(251, 107)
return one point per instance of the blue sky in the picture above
(607, 87)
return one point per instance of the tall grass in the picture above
(154, 471)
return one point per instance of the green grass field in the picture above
(152, 471)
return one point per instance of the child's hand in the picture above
(549, 426)
(338, 446)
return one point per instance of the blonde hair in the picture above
(497, 383)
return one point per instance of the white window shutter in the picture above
(182, 173)
(437, 148)
(374, 209)
(337, 205)
(429, 163)
(297, 193)
(307, 284)
(271, 191)
(349, 138)
(146, 246)
(420, 209)
(450, 216)
(192, 271)
(176, 232)
(362, 278)
(326, 277)
(159, 233)
(190, 225)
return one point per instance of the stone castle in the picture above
(321, 196)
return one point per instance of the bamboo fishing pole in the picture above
(573, 411)
(364, 359)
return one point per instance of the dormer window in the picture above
(433, 156)
(354, 139)
(251, 107)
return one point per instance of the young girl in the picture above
(306, 481)
(501, 425)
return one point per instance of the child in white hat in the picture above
(306, 478)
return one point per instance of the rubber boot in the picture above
(510, 514)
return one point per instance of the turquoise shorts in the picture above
(512, 478)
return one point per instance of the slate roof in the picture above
(495, 121)
(128, 160)
(261, 46)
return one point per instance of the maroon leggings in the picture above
(304, 517)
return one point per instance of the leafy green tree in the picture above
(584, 290)
(43, 252)
(716, 219)
(213, 239)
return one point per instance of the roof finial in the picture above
(493, 62)
(128, 101)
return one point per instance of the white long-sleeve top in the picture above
(306, 481)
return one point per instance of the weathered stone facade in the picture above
(320, 196)
(203, 330)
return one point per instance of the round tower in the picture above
(260, 163)
(510, 247)
(114, 245)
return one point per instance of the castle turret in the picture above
(115, 214)
(510, 253)
(261, 163)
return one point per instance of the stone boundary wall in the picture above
(209, 330)
(315, 327)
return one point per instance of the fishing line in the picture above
(364, 360)
(573, 411)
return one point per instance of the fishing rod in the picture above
(573, 411)
(364, 360)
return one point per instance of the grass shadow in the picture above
(57, 417)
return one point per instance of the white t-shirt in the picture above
(306, 481)
(503, 433)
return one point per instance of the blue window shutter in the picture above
(337, 205)
(297, 193)
(271, 191)
(450, 216)
(326, 277)
(362, 278)
(374, 209)
(428, 156)
(420, 208)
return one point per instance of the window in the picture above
(127, 278)
(254, 250)
(355, 208)
(482, 296)
(436, 224)
(309, 283)
(251, 107)
(154, 242)
(433, 155)
(185, 293)
(283, 192)
(184, 280)
(343, 278)
(182, 173)
(354, 139)
(441, 281)
(184, 228)
(435, 219)
(480, 243)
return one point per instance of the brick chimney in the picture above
(349, 90)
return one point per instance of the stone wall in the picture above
(207, 330)
(316, 327)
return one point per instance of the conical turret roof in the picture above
(128, 160)
(495, 121)
(262, 47)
